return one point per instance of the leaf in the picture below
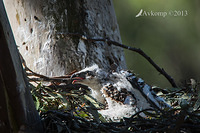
(173, 89)
(37, 103)
(91, 108)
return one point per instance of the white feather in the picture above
(132, 103)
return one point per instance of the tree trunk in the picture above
(39, 28)
(17, 110)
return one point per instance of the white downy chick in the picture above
(122, 91)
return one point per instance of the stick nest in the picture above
(66, 108)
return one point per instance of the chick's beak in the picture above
(76, 78)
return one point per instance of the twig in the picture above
(180, 121)
(49, 79)
(137, 50)
(65, 79)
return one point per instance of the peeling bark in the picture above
(39, 28)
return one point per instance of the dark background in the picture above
(171, 41)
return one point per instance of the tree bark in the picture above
(17, 110)
(39, 28)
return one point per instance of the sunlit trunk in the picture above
(39, 28)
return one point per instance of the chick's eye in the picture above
(89, 73)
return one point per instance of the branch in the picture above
(137, 50)
(60, 79)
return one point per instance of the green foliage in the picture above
(47, 99)
(50, 98)
(71, 109)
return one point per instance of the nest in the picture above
(66, 108)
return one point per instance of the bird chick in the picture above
(122, 91)
(91, 77)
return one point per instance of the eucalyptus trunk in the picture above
(40, 28)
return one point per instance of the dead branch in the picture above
(137, 50)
